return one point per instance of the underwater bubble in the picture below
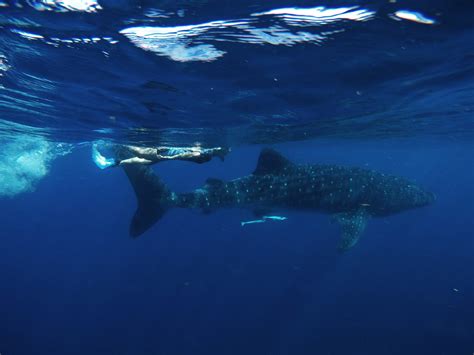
(24, 161)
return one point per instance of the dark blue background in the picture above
(73, 282)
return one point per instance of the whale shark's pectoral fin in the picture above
(352, 225)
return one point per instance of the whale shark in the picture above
(352, 195)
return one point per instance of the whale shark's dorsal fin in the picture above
(271, 162)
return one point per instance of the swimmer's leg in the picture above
(134, 161)
(221, 152)
(141, 151)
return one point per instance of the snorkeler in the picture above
(144, 155)
(129, 155)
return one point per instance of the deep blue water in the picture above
(75, 283)
(385, 85)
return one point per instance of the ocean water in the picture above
(383, 85)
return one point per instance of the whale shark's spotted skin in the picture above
(330, 189)
(352, 195)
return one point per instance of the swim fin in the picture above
(101, 161)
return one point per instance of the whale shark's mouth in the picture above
(424, 198)
(431, 198)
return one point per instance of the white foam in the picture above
(24, 161)
(27, 35)
(67, 5)
(174, 42)
(3, 64)
(185, 43)
(413, 16)
(319, 15)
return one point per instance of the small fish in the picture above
(252, 222)
(263, 220)
(275, 218)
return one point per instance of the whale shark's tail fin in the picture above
(153, 198)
